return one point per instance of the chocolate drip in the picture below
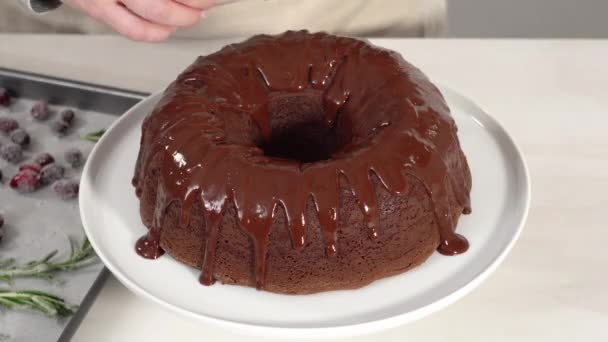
(363, 189)
(389, 121)
(148, 246)
(212, 222)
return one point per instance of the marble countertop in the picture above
(551, 95)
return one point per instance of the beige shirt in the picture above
(401, 18)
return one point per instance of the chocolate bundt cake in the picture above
(301, 163)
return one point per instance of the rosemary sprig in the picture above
(93, 136)
(44, 302)
(81, 255)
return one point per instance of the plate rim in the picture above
(325, 331)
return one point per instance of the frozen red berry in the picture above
(51, 173)
(40, 111)
(12, 153)
(66, 189)
(67, 116)
(1, 227)
(44, 159)
(25, 181)
(74, 157)
(28, 166)
(20, 137)
(5, 97)
(60, 128)
(8, 125)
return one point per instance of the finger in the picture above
(128, 24)
(164, 12)
(198, 4)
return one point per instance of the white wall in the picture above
(528, 18)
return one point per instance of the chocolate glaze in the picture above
(386, 120)
(148, 246)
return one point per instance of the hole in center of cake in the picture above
(298, 128)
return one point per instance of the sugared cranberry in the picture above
(1, 227)
(40, 111)
(12, 153)
(26, 166)
(20, 137)
(74, 157)
(25, 181)
(5, 97)
(44, 159)
(66, 189)
(51, 173)
(67, 116)
(60, 128)
(8, 125)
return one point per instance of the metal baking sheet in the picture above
(40, 222)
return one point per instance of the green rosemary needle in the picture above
(93, 136)
(47, 303)
(81, 255)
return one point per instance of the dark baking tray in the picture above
(70, 93)
(81, 95)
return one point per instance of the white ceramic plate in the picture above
(500, 201)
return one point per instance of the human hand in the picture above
(144, 20)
